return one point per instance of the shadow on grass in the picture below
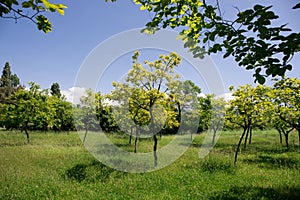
(278, 149)
(258, 193)
(275, 161)
(92, 172)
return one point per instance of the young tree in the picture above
(104, 114)
(185, 97)
(287, 104)
(24, 108)
(217, 116)
(88, 112)
(146, 94)
(247, 109)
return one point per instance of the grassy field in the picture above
(57, 166)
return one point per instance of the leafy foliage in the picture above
(35, 109)
(250, 38)
(286, 97)
(145, 93)
(31, 10)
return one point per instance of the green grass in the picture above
(57, 166)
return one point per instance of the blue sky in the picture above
(57, 56)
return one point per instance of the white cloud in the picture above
(227, 96)
(74, 94)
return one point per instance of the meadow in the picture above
(57, 166)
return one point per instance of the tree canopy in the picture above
(251, 38)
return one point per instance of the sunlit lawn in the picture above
(57, 166)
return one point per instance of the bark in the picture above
(179, 112)
(26, 132)
(246, 138)
(136, 139)
(280, 135)
(250, 136)
(86, 131)
(298, 129)
(130, 137)
(154, 150)
(214, 137)
(27, 135)
(239, 144)
(154, 134)
(286, 136)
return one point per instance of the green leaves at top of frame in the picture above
(54, 7)
(31, 9)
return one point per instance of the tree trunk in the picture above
(214, 137)
(86, 131)
(246, 138)
(286, 136)
(27, 135)
(26, 132)
(130, 137)
(250, 136)
(179, 112)
(239, 144)
(154, 150)
(154, 134)
(280, 135)
(298, 129)
(299, 137)
(136, 139)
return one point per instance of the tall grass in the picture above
(57, 166)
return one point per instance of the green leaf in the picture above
(43, 24)
(260, 79)
(258, 7)
(296, 6)
(27, 4)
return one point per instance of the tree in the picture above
(217, 116)
(88, 112)
(132, 114)
(185, 98)
(55, 90)
(247, 109)
(287, 104)
(145, 95)
(9, 83)
(24, 108)
(205, 108)
(62, 111)
(31, 10)
(104, 114)
(250, 38)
